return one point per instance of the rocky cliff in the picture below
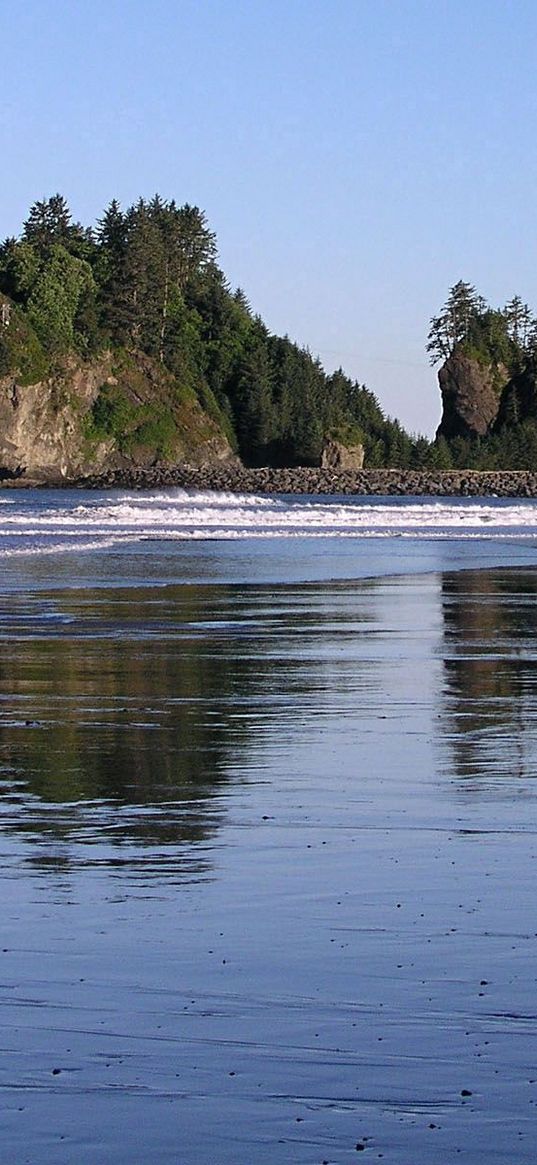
(115, 411)
(471, 394)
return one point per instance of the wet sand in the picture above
(268, 858)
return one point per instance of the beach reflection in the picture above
(129, 718)
(490, 663)
(114, 720)
(268, 859)
(126, 715)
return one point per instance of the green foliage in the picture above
(148, 259)
(55, 289)
(20, 349)
(347, 433)
(48, 223)
(453, 326)
(440, 455)
(112, 414)
(492, 336)
(510, 448)
(158, 433)
(55, 297)
(19, 269)
(147, 284)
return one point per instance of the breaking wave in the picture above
(48, 522)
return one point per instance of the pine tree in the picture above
(48, 222)
(253, 401)
(453, 325)
(519, 322)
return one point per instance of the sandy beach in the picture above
(267, 854)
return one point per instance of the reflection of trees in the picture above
(490, 620)
(124, 713)
(121, 698)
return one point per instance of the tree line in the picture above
(505, 335)
(147, 279)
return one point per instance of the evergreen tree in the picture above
(110, 271)
(520, 323)
(193, 244)
(453, 325)
(19, 268)
(253, 400)
(48, 222)
(440, 456)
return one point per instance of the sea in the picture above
(268, 844)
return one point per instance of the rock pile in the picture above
(237, 479)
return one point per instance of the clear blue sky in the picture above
(355, 157)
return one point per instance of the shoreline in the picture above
(302, 480)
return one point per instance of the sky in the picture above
(354, 157)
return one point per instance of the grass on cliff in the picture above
(20, 350)
(132, 425)
(145, 410)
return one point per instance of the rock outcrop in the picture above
(41, 426)
(336, 455)
(113, 412)
(471, 392)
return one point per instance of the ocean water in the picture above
(269, 829)
(48, 521)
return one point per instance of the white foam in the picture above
(29, 526)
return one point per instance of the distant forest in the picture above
(147, 279)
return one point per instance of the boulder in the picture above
(336, 455)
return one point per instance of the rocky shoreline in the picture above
(397, 482)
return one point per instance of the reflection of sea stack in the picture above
(487, 689)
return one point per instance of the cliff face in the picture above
(519, 399)
(113, 412)
(471, 393)
(40, 426)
